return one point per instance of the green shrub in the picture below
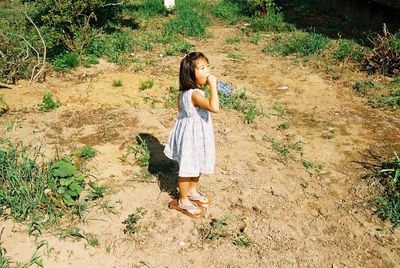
(65, 61)
(178, 46)
(132, 222)
(117, 83)
(48, 103)
(362, 87)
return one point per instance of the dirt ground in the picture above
(294, 217)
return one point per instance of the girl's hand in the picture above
(211, 80)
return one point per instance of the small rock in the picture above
(181, 243)
(283, 88)
(48, 192)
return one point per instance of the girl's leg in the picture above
(193, 186)
(184, 186)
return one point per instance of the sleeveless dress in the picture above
(191, 141)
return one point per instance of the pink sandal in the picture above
(201, 200)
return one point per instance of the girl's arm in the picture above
(211, 104)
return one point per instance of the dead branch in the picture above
(44, 50)
(2, 85)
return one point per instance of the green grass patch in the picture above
(146, 84)
(348, 50)
(171, 99)
(87, 152)
(239, 101)
(284, 126)
(284, 150)
(227, 11)
(301, 43)
(65, 61)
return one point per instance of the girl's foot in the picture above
(200, 199)
(190, 209)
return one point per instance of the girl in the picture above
(191, 141)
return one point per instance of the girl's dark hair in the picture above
(187, 79)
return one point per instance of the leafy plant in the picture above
(362, 87)
(311, 165)
(228, 11)
(142, 153)
(284, 151)
(70, 184)
(87, 152)
(242, 240)
(347, 49)
(284, 126)
(65, 61)
(97, 191)
(171, 98)
(250, 115)
(48, 103)
(132, 222)
(3, 106)
(217, 229)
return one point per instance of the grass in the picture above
(48, 103)
(284, 150)
(387, 204)
(284, 126)
(239, 101)
(171, 99)
(227, 11)
(300, 43)
(117, 83)
(311, 165)
(146, 84)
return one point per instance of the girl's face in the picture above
(201, 71)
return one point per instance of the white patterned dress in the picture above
(191, 141)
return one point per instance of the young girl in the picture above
(191, 141)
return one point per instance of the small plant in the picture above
(347, 49)
(97, 191)
(234, 56)
(250, 114)
(217, 229)
(48, 103)
(70, 184)
(242, 240)
(284, 150)
(87, 152)
(329, 133)
(117, 83)
(284, 126)
(311, 165)
(146, 84)
(232, 40)
(281, 109)
(132, 222)
(142, 153)
(91, 239)
(177, 46)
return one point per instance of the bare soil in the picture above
(294, 217)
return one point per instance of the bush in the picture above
(48, 103)
(65, 61)
(228, 11)
(347, 49)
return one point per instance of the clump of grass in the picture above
(363, 87)
(3, 106)
(284, 125)
(347, 49)
(117, 83)
(48, 103)
(87, 152)
(91, 239)
(239, 101)
(178, 46)
(228, 11)
(146, 84)
(272, 22)
(217, 229)
(242, 240)
(388, 203)
(284, 151)
(232, 40)
(132, 222)
(234, 56)
(301, 43)
(142, 153)
(311, 165)
(65, 61)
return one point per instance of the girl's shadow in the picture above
(165, 169)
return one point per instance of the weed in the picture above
(80, 208)
(87, 152)
(242, 240)
(302, 43)
(142, 153)
(228, 11)
(311, 165)
(146, 84)
(97, 191)
(284, 151)
(362, 87)
(284, 126)
(70, 184)
(234, 56)
(281, 109)
(172, 98)
(232, 40)
(217, 229)
(91, 239)
(273, 21)
(117, 83)
(132, 222)
(347, 49)
(329, 133)
(250, 115)
(48, 103)
(388, 203)
(178, 46)
(65, 61)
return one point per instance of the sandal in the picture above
(201, 200)
(186, 209)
